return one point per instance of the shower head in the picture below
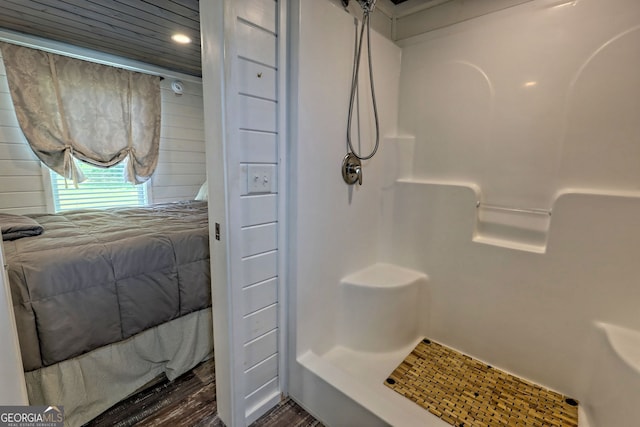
(367, 5)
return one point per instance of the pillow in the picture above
(203, 194)
(18, 226)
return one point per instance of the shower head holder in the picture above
(367, 5)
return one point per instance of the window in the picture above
(104, 188)
(65, 104)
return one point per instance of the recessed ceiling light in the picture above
(181, 38)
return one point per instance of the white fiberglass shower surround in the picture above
(500, 217)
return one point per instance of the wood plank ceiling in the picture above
(134, 29)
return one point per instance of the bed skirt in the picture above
(90, 384)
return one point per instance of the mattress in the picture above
(96, 277)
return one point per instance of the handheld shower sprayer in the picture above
(366, 5)
(351, 165)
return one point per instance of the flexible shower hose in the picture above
(354, 83)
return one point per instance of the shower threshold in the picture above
(362, 377)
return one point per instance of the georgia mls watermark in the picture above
(31, 416)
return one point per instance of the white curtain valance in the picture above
(96, 113)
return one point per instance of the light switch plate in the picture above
(259, 179)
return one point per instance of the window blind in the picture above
(103, 188)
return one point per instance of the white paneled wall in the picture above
(257, 140)
(242, 85)
(21, 188)
(181, 164)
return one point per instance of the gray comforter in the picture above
(97, 277)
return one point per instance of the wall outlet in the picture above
(259, 179)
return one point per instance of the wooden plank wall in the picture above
(21, 185)
(181, 165)
(257, 74)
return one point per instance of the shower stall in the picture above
(499, 217)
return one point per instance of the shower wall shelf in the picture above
(513, 209)
(517, 228)
(511, 227)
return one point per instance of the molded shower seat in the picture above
(380, 308)
(612, 396)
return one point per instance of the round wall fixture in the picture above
(177, 86)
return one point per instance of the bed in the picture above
(105, 300)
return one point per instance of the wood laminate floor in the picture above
(190, 401)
